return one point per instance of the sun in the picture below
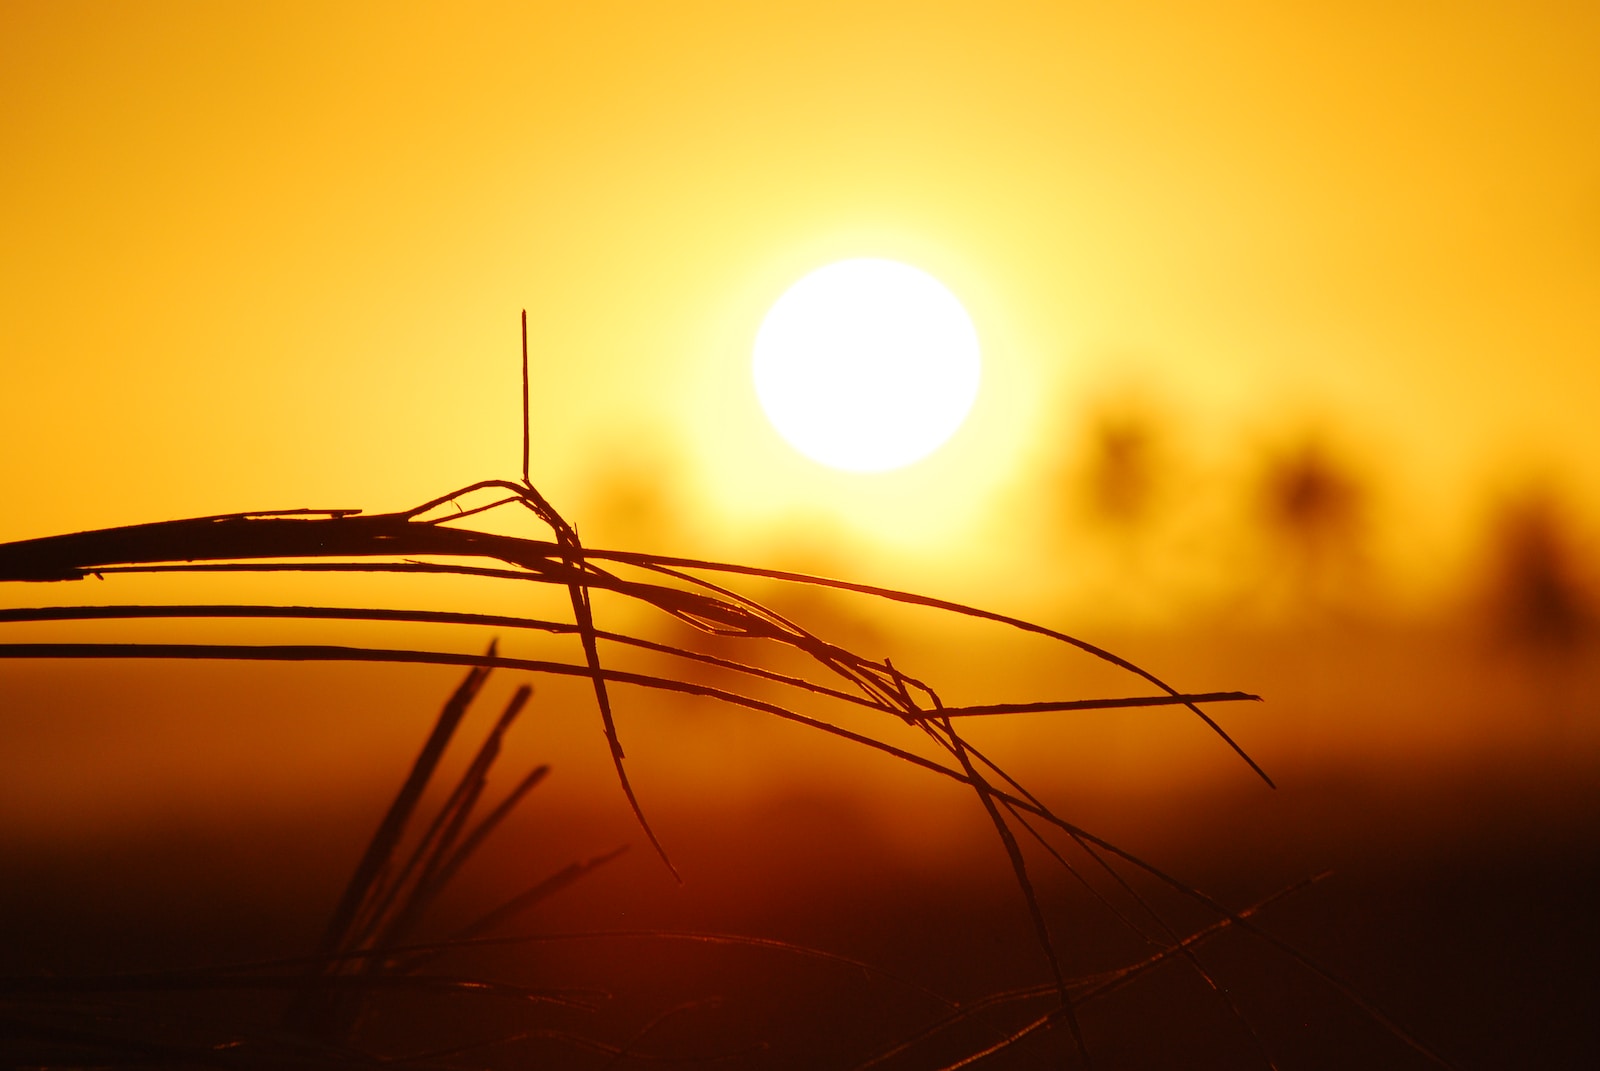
(867, 365)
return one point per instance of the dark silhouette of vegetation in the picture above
(1312, 501)
(1123, 472)
(1313, 508)
(1537, 595)
(364, 950)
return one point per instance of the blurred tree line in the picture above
(1289, 529)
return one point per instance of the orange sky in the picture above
(272, 256)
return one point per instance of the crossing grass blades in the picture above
(369, 953)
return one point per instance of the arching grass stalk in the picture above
(382, 902)
(430, 539)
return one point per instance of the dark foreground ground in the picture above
(212, 816)
(1481, 943)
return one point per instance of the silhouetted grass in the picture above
(362, 954)
(368, 952)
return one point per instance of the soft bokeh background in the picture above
(1291, 330)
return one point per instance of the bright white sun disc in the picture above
(867, 365)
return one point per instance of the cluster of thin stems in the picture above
(367, 937)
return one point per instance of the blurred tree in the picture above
(1314, 510)
(1536, 593)
(1131, 511)
(1122, 471)
(1311, 500)
(634, 494)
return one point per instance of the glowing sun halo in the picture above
(866, 365)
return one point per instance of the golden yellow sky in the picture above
(268, 256)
